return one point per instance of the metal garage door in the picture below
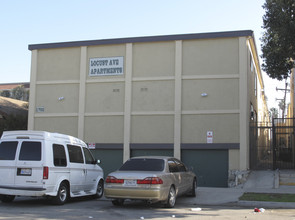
(111, 160)
(210, 166)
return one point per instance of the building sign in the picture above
(209, 137)
(106, 66)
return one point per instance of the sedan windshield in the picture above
(143, 164)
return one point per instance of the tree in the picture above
(5, 93)
(19, 92)
(13, 122)
(278, 40)
(274, 112)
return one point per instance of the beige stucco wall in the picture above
(58, 64)
(104, 97)
(222, 94)
(153, 59)
(234, 159)
(211, 57)
(104, 129)
(152, 129)
(153, 96)
(224, 126)
(48, 97)
(63, 124)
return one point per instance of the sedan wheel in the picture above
(171, 198)
(193, 192)
(118, 202)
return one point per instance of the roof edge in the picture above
(209, 35)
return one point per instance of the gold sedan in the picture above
(150, 178)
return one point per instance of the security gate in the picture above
(283, 143)
(272, 146)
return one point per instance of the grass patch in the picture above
(268, 197)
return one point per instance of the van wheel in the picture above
(6, 198)
(171, 198)
(99, 190)
(62, 195)
(118, 202)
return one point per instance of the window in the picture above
(172, 166)
(75, 154)
(30, 151)
(8, 150)
(143, 164)
(59, 155)
(181, 166)
(88, 156)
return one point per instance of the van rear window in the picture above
(30, 151)
(8, 150)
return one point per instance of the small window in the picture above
(172, 166)
(30, 151)
(75, 154)
(181, 166)
(59, 155)
(8, 150)
(88, 156)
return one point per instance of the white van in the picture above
(39, 163)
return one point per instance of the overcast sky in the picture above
(25, 22)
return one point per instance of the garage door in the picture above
(111, 160)
(210, 166)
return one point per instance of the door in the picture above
(29, 166)
(186, 180)
(92, 171)
(8, 162)
(77, 169)
(173, 168)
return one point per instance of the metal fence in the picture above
(272, 146)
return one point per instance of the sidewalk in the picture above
(257, 182)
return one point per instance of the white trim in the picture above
(211, 112)
(46, 115)
(104, 114)
(89, 81)
(128, 101)
(200, 77)
(244, 102)
(164, 78)
(177, 101)
(32, 102)
(58, 82)
(82, 92)
(153, 113)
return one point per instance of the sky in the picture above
(34, 22)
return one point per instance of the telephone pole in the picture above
(285, 90)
